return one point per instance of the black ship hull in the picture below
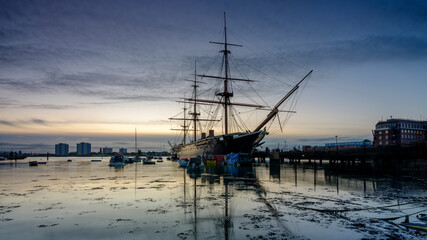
(219, 146)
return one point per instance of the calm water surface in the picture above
(89, 200)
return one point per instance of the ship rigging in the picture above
(216, 147)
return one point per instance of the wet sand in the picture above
(89, 200)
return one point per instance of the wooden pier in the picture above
(390, 159)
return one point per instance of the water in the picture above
(89, 200)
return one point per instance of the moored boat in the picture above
(195, 164)
(116, 161)
(422, 217)
(237, 159)
(183, 162)
(148, 161)
(33, 163)
(416, 226)
(218, 146)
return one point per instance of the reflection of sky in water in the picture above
(89, 200)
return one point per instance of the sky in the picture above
(95, 71)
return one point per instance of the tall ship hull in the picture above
(215, 147)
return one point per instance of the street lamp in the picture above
(336, 144)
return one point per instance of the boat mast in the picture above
(185, 125)
(226, 94)
(195, 113)
(136, 153)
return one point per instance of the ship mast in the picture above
(226, 94)
(195, 113)
(184, 127)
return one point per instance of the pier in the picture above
(388, 159)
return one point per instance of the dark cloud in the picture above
(374, 48)
(7, 123)
(47, 106)
(43, 122)
(39, 121)
(35, 147)
(9, 103)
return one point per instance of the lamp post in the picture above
(336, 145)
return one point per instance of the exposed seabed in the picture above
(89, 200)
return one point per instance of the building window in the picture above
(386, 137)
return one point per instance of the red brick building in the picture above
(400, 132)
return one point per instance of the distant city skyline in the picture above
(94, 71)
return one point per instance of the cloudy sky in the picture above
(94, 71)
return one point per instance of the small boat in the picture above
(33, 163)
(41, 162)
(422, 217)
(69, 160)
(96, 160)
(183, 162)
(160, 159)
(195, 164)
(116, 161)
(148, 161)
(168, 158)
(237, 159)
(127, 159)
(416, 226)
(2, 158)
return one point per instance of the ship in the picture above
(216, 147)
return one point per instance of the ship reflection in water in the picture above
(84, 199)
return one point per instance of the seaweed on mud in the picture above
(137, 229)
(52, 206)
(161, 181)
(43, 225)
(18, 194)
(157, 210)
(158, 187)
(186, 234)
(148, 200)
(96, 179)
(124, 220)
